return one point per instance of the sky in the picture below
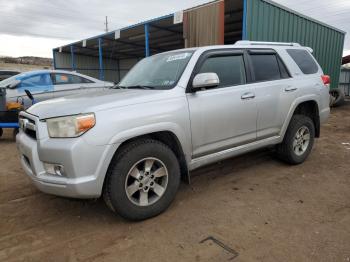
(35, 27)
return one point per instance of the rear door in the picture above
(225, 116)
(274, 89)
(68, 84)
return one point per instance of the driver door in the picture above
(225, 116)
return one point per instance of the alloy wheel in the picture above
(146, 181)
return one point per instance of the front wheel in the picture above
(14, 133)
(142, 180)
(298, 140)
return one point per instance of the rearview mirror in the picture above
(14, 84)
(204, 80)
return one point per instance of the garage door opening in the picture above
(234, 10)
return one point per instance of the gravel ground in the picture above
(258, 208)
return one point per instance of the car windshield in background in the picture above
(160, 71)
(8, 81)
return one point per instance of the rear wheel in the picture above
(298, 140)
(1, 132)
(338, 95)
(142, 180)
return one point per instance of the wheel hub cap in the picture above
(301, 140)
(146, 181)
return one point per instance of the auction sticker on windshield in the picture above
(178, 57)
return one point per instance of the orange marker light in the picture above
(85, 123)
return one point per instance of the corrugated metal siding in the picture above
(344, 80)
(269, 22)
(89, 65)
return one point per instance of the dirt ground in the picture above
(259, 209)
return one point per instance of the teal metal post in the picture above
(72, 58)
(147, 53)
(244, 29)
(100, 59)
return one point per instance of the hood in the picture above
(93, 102)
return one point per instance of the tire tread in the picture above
(283, 149)
(124, 151)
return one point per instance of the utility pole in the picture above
(106, 24)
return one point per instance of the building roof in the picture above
(129, 42)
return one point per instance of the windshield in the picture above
(160, 71)
(7, 81)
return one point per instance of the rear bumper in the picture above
(84, 165)
(324, 114)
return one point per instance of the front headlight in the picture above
(70, 126)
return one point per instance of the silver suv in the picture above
(172, 113)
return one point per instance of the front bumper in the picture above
(85, 165)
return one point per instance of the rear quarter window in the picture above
(266, 67)
(304, 61)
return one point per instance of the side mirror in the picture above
(14, 84)
(204, 80)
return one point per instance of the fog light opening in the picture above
(54, 169)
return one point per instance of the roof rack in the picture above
(245, 42)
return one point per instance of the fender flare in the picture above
(295, 104)
(184, 142)
(125, 135)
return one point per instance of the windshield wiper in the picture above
(133, 87)
(119, 87)
(139, 87)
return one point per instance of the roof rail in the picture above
(245, 42)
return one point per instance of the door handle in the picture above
(246, 96)
(290, 89)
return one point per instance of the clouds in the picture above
(16, 46)
(42, 23)
(76, 19)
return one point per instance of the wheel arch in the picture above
(310, 108)
(167, 137)
(307, 105)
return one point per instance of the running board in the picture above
(231, 152)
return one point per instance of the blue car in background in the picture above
(48, 84)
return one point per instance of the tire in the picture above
(1, 132)
(132, 162)
(15, 132)
(331, 100)
(339, 96)
(292, 150)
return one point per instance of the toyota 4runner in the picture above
(172, 113)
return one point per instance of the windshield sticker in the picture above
(167, 82)
(178, 57)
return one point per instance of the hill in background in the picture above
(25, 63)
(27, 60)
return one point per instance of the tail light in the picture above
(326, 79)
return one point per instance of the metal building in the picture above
(344, 80)
(109, 56)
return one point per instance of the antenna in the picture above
(106, 24)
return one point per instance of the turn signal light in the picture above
(85, 122)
